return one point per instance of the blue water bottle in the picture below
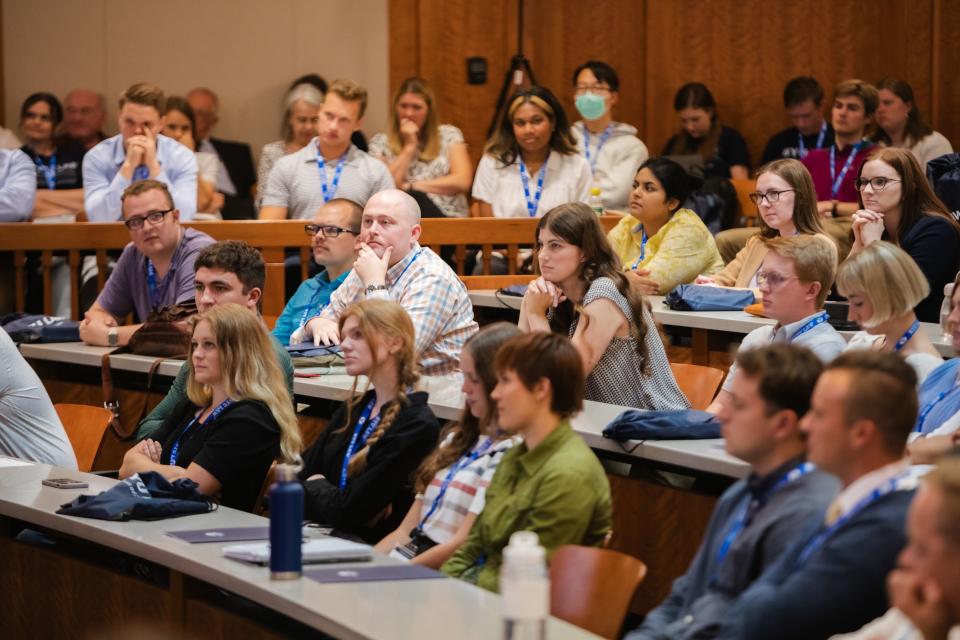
(286, 522)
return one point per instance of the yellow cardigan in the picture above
(680, 251)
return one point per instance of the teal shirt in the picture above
(178, 394)
(311, 297)
(558, 490)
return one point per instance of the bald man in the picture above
(235, 175)
(391, 265)
(84, 115)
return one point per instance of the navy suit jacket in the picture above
(841, 586)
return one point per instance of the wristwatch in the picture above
(112, 337)
(375, 287)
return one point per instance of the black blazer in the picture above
(238, 159)
(387, 480)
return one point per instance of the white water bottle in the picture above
(524, 588)
(596, 201)
(945, 309)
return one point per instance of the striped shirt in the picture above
(465, 494)
(434, 297)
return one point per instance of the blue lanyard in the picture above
(533, 203)
(905, 338)
(820, 138)
(140, 173)
(818, 319)
(330, 190)
(49, 171)
(152, 284)
(750, 505)
(409, 264)
(837, 180)
(454, 470)
(927, 408)
(175, 450)
(643, 246)
(586, 145)
(354, 444)
(310, 305)
(822, 537)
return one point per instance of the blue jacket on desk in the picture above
(840, 587)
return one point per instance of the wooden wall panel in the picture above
(744, 50)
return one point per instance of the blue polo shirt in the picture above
(311, 297)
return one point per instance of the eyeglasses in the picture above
(772, 279)
(326, 230)
(770, 196)
(593, 88)
(153, 217)
(878, 184)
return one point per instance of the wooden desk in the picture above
(446, 401)
(703, 323)
(660, 523)
(33, 604)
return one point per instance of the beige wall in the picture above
(245, 50)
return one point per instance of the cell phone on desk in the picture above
(64, 483)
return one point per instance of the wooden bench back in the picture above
(272, 238)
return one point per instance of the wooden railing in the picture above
(273, 238)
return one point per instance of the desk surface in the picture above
(394, 610)
(446, 401)
(729, 321)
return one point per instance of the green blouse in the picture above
(558, 490)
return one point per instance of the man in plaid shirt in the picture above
(391, 265)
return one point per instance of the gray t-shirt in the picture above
(127, 290)
(295, 181)
(30, 428)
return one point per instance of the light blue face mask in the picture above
(590, 106)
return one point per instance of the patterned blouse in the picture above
(680, 251)
(618, 378)
(465, 493)
(454, 206)
(271, 152)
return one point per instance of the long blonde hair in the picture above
(379, 319)
(250, 371)
(430, 134)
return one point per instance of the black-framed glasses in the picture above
(772, 279)
(326, 230)
(878, 184)
(153, 217)
(770, 196)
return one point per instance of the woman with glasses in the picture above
(358, 475)
(423, 155)
(612, 149)
(897, 205)
(334, 233)
(582, 293)
(661, 244)
(239, 419)
(787, 202)
(722, 148)
(899, 123)
(59, 167)
(883, 285)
